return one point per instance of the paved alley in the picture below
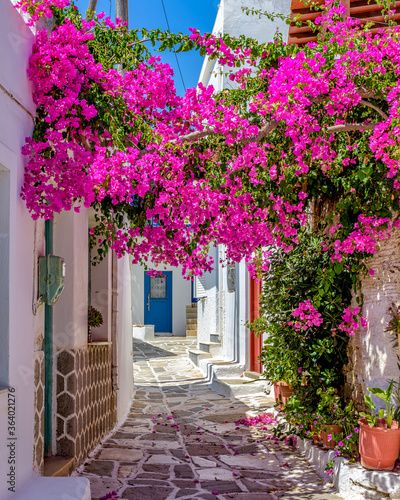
(180, 440)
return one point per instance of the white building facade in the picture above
(60, 393)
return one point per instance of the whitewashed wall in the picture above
(181, 297)
(24, 329)
(231, 20)
(124, 337)
(373, 358)
(208, 305)
(70, 234)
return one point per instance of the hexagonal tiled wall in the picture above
(84, 399)
(38, 427)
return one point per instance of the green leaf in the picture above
(380, 393)
(338, 267)
(369, 403)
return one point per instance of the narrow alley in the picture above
(181, 440)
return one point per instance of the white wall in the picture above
(124, 337)
(373, 357)
(70, 235)
(181, 297)
(231, 20)
(25, 329)
(208, 305)
(101, 296)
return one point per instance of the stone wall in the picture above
(85, 410)
(38, 429)
(373, 358)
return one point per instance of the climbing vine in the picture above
(307, 136)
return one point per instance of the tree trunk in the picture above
(91, 9)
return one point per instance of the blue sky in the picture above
(182, 15)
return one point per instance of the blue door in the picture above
(158, 302)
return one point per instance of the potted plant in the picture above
(95, 319)
(330, 418)
(282, 391)
(379, 436)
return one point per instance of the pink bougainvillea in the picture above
(351, 323)
(307, 316)
(170, 175)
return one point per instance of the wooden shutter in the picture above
(358, 9)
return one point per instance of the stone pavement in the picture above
(180, 441)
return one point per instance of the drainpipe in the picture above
(114, 326)
(48, 355)
(220, 294)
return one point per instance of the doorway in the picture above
(158, 302)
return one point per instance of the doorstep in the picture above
(352, 482)
(57, 466)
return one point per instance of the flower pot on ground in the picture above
(282, 392)
(330, 430)
(379, 445)
(315, 435)
(379, 437)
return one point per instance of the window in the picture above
(158, 288)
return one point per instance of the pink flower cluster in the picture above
(350, 323)
(262, 419)
(368, 231)
(40, 8)
(307, 316)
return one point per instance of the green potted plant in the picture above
(331, 416)
(95, 319)
(379, 436)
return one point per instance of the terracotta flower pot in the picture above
(315, 436)
(283, 390)
(330, 429)
(379, 446)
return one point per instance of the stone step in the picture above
(191, 321)
(214, 337)
(191, 327)
(192, 307)
(195, 355)
(240, 386)
(191, 333)
(58, 466)
(253, 375)
(191, 314)
(208, 346)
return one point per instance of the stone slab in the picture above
(217, 474)
(146, 493)
(162, 460)
(121, 454)
(269, 464)
(203, 462)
